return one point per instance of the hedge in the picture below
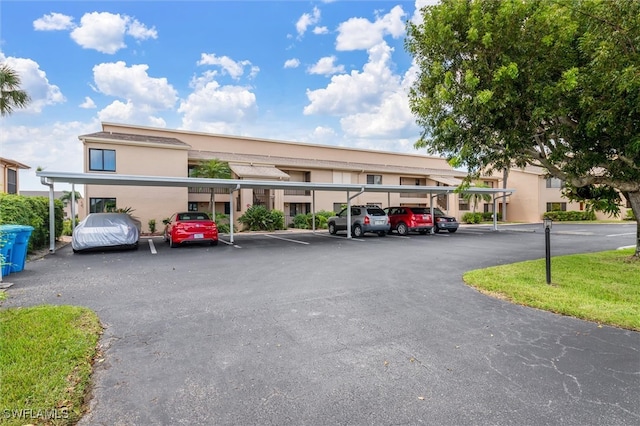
(31, 211)
(572, 216)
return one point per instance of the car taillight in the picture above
(367, 220)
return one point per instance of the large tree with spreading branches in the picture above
(554, 83)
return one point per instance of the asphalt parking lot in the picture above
(312, 329)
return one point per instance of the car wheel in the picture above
(171, 243)
(436, 229)
(214, 243)
(332, 228)
(451, 231)
(356, 231)
(402, 228)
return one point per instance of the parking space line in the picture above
(339, 236)
(152, 246)
(620, 235)
(286, 239)
(229, 243)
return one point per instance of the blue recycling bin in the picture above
(20, 246)
(7, 240)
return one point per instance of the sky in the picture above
(322, 72)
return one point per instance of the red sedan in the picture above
(190, 227)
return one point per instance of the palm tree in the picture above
(66, 197)
(475, 198)
(212, 169)
(10, 94)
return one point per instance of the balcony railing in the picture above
(297, 192)
(199, 190)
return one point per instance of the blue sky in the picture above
(325, 72)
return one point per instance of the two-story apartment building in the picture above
(135, 150)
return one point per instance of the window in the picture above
(554, 182)
(556, 207)
(103, 160)
(299, 208)
(463, 204)
(12, 181)
(101, 205)
(374, 179)
(192, 207)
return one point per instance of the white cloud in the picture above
(215, 108)
(34, 81)
(234, 68)
(326, 66)
(306, 20)
(417, 15)
(320, 30)
(362, 34)
(351, 93)
(139, 31)
(323, 135)
(105, 32)
(372, 103)
(88, 103)
(292, 63)
(53, 22)
(53, 146)
(134, 84)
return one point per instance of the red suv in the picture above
(410, 219)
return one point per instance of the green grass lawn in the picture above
(46, 358)
(600, 287)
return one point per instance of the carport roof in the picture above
(235, 184)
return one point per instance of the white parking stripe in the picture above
(152, 247)
(286, 239)
(337, 236)
(620, 235)
(229, 243)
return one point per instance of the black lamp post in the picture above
(548, 223)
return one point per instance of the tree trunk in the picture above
(634, 199)
(212, 204)
(505, 176)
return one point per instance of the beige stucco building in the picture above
(135, 150)
(10, 176)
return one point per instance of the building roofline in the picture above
(258, 139)
(13, 163)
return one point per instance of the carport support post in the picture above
(52, 221)
(231, 209)
(313, 211)
(495, 214)
(73, 206)
(348, 216)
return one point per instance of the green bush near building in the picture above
(569, 216)
(32, 211)
(259, 218)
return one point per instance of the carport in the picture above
(49, 178)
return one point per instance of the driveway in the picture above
(312, 329)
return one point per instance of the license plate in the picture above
(379, 222)
(198, 236)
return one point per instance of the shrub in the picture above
(488, 216)
(258, 218)
(222, 221)
(300, 221)
(569, 216)
(630, 215)
(470, 217)
(32, 211)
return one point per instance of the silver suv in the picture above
(363, 219)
